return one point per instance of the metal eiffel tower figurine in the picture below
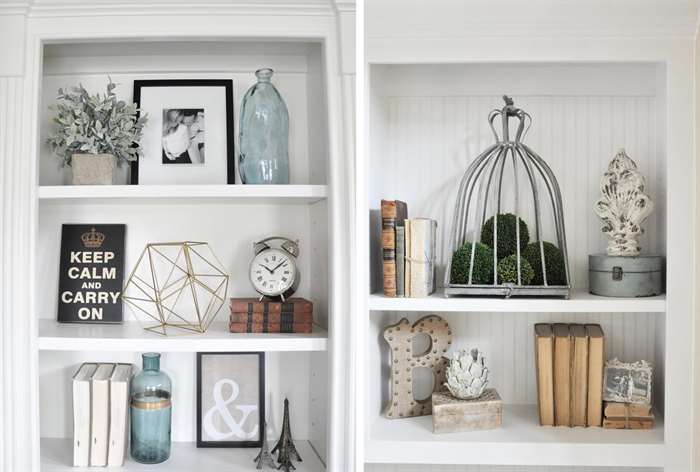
(285, 445)
(264, 457)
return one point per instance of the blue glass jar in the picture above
(264, 134)
(150, 412)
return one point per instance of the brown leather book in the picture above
(270, 328)
(271, 317)
(579, 374)
(562, 375)
(254, 305)
(544, 351)
(596, 364)
(394, 212)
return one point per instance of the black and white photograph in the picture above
(230, 399)
(188, 138)
(627, 382)
(183, 136)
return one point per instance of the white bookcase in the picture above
(432, 75)
(87, 42)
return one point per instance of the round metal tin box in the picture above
(626, 276)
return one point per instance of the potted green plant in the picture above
(95, 133)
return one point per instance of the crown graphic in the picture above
(92, 238)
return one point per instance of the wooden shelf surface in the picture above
(131, 337)
(580, 302)
(57, 456)
(266, 194)
(520, 441)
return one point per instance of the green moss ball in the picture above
(506, 237)
(508, 271)
(553, 261)
(483, 264)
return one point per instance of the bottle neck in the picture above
(151, 361)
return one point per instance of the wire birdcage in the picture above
(539, 268)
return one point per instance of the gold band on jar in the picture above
(159, 405)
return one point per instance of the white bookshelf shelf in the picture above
(520, 441)
(580, 302)
(270, 194)
(57, 456)
(130, 337)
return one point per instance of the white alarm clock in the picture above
(273, 270)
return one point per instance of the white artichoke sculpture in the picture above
(467, 374)
(623, 205)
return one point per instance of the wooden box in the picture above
(452, 415)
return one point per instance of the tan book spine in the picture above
(579, 375)
(270, 318)
(254, 305)
(389, 247)
(596, 364)
(407, 250)
(562, 375)
(544, 345)
(296, 328)
(622, 423)
(627, 410)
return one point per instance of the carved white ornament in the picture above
(467, 374)
(623, 205)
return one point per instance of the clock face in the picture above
(272, 272)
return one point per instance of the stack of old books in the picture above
(570, 363)
(620, 415)
(251, 315)
(408, 252)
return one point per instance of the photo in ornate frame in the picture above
(627, 382)
(195, 99)
(230, 397)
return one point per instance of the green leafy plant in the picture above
(506, 236)
(553, 261)
(508, 271)
(483, 264)
(95, 124)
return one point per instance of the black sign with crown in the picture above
(92, 274)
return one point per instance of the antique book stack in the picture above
(569, 361)
(251, 315)
(408, 252)
(100, 414)
(627, 388)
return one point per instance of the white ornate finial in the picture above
(623, 206)
(467, 374)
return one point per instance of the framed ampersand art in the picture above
(230, 399)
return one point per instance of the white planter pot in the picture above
(94, 169)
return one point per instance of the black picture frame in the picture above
(230, 145)
(261, 402)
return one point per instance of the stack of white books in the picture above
(100, 414)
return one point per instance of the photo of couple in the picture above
(183, 136)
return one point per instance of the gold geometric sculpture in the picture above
(176, 285)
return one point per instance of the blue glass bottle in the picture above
(150, 412)
(264, 134)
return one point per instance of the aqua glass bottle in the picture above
(150, 412)
(264, 134)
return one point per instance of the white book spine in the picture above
(118, 421)
(81, 416)
(100, 420)
(423, 234)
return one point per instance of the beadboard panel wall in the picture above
(298, 76)
(423, 138)
(507, 340)
(17, 372)
(496, 468)
(287, 375)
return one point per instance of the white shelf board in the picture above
(131, 337)
(520, 441)
(91, 194)
(580, 302)
(57, 456)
